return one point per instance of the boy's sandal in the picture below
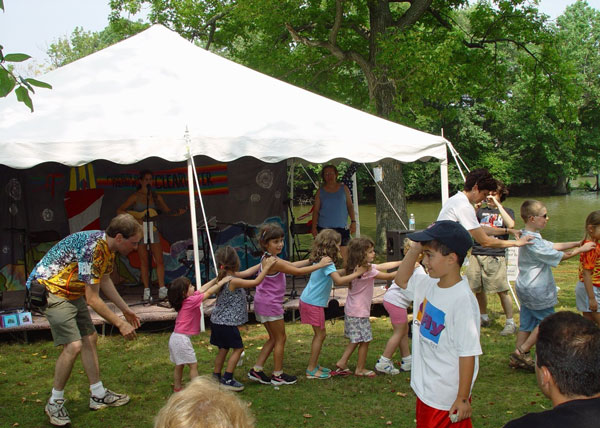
(324, 369)
(341, 372)
(368, 373)
(316, 373)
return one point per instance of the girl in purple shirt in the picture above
(268, 304)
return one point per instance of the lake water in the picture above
(567, 214)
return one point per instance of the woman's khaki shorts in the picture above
(69, 320)
(487, 273)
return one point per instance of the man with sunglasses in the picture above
(72, 273)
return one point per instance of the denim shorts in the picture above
(531, 318)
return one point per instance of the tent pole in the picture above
(355, 204)
(194, 232)
(291, 202)
(444, 178)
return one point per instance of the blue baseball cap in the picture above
(450, 233)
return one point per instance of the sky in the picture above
(30, 26)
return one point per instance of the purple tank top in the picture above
(268, 298)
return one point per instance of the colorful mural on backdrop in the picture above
(238, 197)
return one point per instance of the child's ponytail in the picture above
(227, 261)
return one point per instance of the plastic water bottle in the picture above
(411, 222)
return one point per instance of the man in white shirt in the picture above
(478, 184)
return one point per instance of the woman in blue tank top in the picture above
(332, 207)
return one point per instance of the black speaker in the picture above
(395, 243)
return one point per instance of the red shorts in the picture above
(311, 314)
(428, 417)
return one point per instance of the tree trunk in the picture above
(393, 187)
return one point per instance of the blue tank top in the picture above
(333, 211)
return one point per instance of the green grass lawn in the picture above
(143, 370)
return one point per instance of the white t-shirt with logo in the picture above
(458, 208)
(445, 327)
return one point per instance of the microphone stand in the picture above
(148, 241)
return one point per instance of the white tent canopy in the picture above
(136, 99)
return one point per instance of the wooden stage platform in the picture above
(160, 313)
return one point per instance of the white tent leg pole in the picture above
(355, 204)
(444, 179)
(210, 246)
(194, 233)
(291, 202)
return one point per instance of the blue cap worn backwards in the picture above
(447, 232)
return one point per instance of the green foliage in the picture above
(9, 80)
(82, 43)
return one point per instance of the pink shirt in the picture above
(360, 295)
(188, 317)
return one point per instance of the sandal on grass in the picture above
(316, 373)
(341, 372)
(368, 373)
(522, 360)
(324, 369)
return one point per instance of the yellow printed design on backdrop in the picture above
(82, 178)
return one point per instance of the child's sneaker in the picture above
(386, 367)
(508, 330)
(259, 377)
(406, 366)
(283, 379)
(232, 384)
(57, 413)
(146, 296)
(162, 293)
(110, 399)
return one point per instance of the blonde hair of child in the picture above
(593, 219)
(530, 208)
(357, 253)
(227, 260)
(204, 404)
(267, 232)
(326, 244)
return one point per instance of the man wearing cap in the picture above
(478, 185)
(445, 344)
(568, 373)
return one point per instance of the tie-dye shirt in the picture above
(79, 259)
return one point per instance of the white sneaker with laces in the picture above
(110, 399)
(57, 413)
(406, 366)
(508, 330)
(162, 293)
(146, 296)
(385, 367)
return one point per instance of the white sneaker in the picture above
(405, 367)
(57, 413)
(146, 296)
(110, 399)
(386, 368)
(162, 293)
(508, 330)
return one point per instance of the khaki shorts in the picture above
(487, 273)
(69, 320)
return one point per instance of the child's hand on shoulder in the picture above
(226, 279)
(361, 269)
(588, 246)
(269, 261)
(325, 261)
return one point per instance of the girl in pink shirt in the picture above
(184, 298)
(357, 328)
